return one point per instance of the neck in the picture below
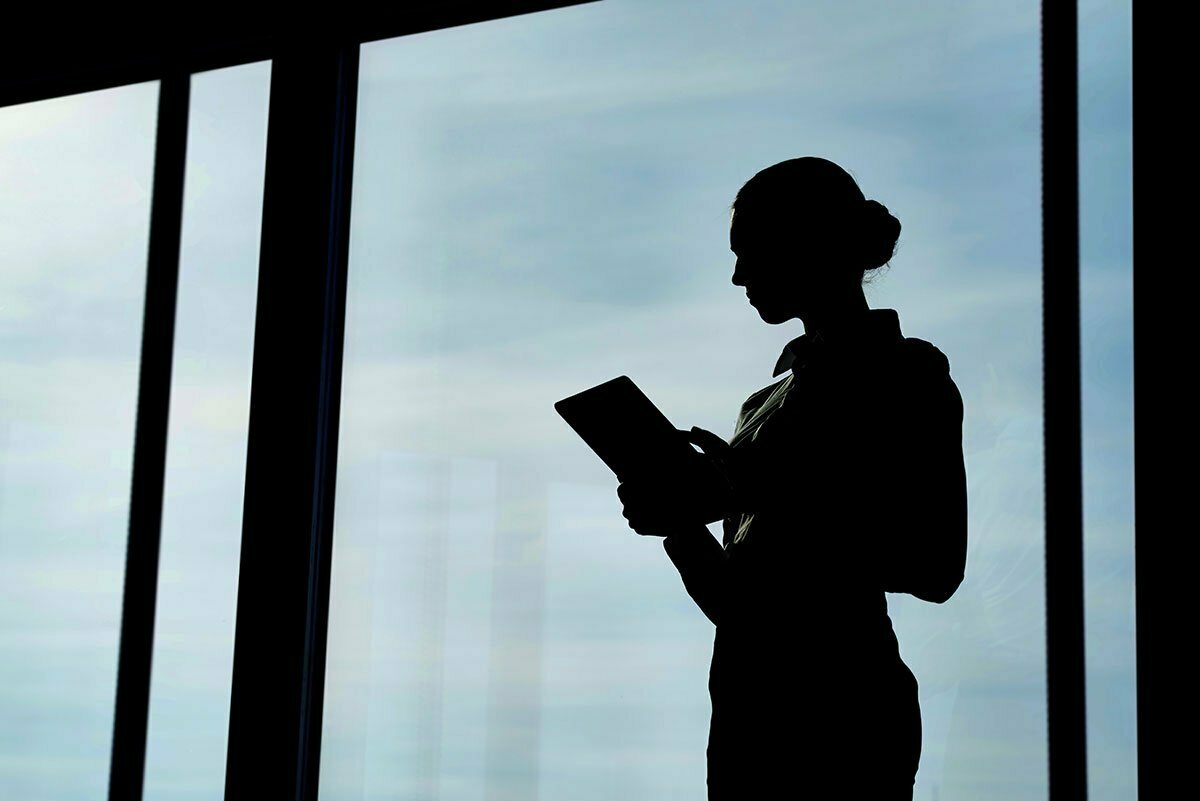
(836, 314)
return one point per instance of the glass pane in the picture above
(206, 446)
(542, 203)
(78, 172)
(1106, 345)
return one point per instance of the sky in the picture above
(540, 204)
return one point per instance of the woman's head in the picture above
(805, 237)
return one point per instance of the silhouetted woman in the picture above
(842, 481)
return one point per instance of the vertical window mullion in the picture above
(278, 671)
(1065, 687)
(127, 766)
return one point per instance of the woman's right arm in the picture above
(665, 508)
(700, 560)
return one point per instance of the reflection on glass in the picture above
(206, 445)
(1106, 350)
(76, 212)
(542, 203)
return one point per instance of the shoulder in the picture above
(922, 356)
(924, 377)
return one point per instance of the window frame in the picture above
(283, 590)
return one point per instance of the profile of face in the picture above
(785, 265)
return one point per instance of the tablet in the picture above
(625, 429)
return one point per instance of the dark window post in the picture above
(1061, 397)
(1164, 439)
(283, 586)
(130, 715)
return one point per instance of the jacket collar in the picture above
(875, 327)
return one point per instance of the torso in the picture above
(805, 659)
(780, 600)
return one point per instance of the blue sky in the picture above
(541, 203)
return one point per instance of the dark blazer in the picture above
(849, 483)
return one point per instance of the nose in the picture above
(739, 273)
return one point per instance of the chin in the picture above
(772, 317)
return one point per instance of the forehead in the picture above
(781, 223)
(749, 228)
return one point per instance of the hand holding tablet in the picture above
(665, 482)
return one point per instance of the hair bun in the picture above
(881, 230)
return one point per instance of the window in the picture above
(76, 211)
(206, 454)
(539, 203)
(1106, 359)
(542, 204)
